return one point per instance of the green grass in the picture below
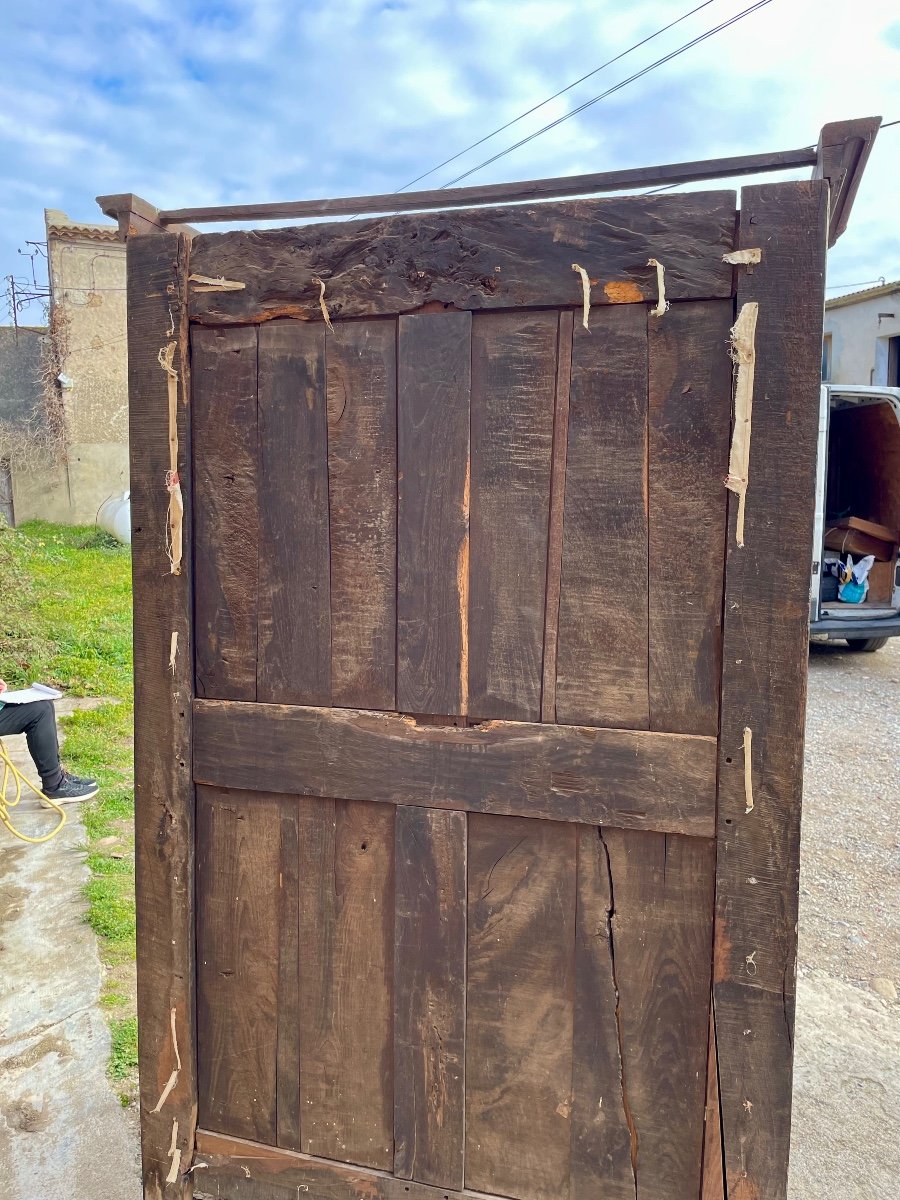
(66, 621)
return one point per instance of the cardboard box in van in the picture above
(852, 535)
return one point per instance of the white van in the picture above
(858, 475)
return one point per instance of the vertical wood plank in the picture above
(157, 270)
(513, 378)
(362, 480)
(238, 863)
(519, 1003)
(661, 936)
(713, 1187)
(602, 672)
(557, 507)
(346, 980)
(294, 600)
(226, 548)
(764, 688)
(690, 424)
(434, 370)
(288, 1057)
(429, 995)
(601, 1135)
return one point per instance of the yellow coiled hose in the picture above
(13, 779)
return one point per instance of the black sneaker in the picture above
(70, 787)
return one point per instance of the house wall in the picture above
(859, 344)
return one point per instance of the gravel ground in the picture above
(846, 1128)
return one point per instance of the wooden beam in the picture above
(136, 216)
(843, 151)
(625, 778)
(499, 193)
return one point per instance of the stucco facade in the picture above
(862, 337)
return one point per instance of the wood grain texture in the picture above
(362, 480)
(294, 600)
(434, 371)
(226, 550)
(346, 980)
(843, 151)
(713, 1186)
(661, 937)
(557, 773)
(519, 1005)
(602, 665)
(689, 437)
(557, 512)
(764, 688)
(601, 1133)
(518, 257)
(512, 407)
(430, 996)
(287, 1084)
(238, 862)
(157, 269)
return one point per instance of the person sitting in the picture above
(37, 721)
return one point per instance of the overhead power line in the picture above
(616, 88)
(562, 91)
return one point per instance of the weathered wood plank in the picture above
(560, 773)
(690, 425)
(764, 689)
(601, 1135)
(661, 935)
(288, 1056)
(433, 513)
(294, 601)
(602, 666)
(519, 257)
(362, 480)
(513, 381)
(713, 1186)
(842, 153)
(519, 1006)
(157, 269)
(430, 996)
(238, 862)
(346, 980)
(227, 514)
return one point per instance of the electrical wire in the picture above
(562, 91)
(617, 87)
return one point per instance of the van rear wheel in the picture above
(866, 645)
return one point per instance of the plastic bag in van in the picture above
(855, 590)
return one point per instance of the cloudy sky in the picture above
(233, 101)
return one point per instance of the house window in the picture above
(826, 358)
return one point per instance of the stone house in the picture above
(861, 342)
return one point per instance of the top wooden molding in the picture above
(843, 151)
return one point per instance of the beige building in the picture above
(862, 337)
(87, 332)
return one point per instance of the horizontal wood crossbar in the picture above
(500, 193)
(627, 779)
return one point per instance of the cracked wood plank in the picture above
(430, 996)
(519, 257)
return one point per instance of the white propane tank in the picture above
(114, 516)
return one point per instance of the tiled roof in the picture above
(882, 289)
(60, 225)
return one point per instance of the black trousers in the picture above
(38, 722)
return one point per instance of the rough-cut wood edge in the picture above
(624, 778)
(713, 1183)
(163, 667)
(841, 157)
(764, 689)
(135, 216)
(496, 193)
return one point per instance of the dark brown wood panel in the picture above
(619, 777)
(294, 601)
(434, 371)
(430, 996)
(602, 1125)
(764, 689)
(226, 549)
(602, 665)
(713, 1187)
(288, 1057)
(238, 863)
(513, 380)
(690, 425)
(157, 270)
(362, 479)
(519, 1006)
(346, 980)
(517, 257)
(661, 938)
